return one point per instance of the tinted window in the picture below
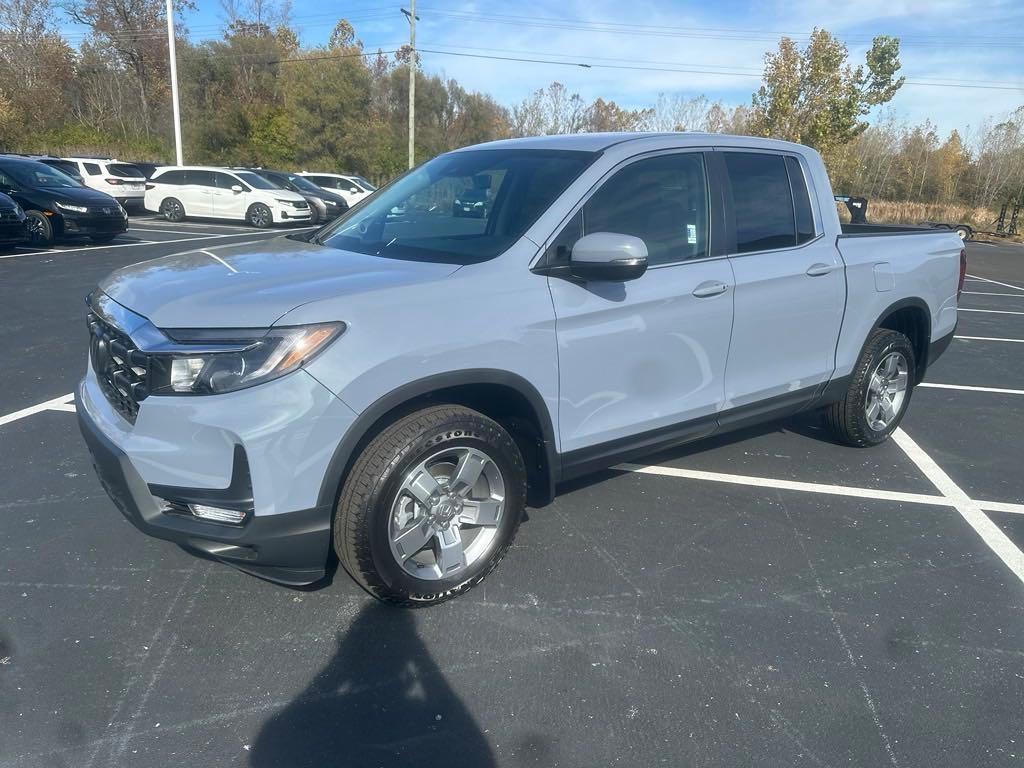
(322, 181)
(201, 178)
(415, 217)
(801, 201)
(225, 180)
(171, 177)
(91, 168)
(662, 200)
(63, 166)
(125, 171)
(255, 181)
(762, 201)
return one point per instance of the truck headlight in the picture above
(246, 361)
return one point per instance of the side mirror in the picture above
(236, 188)
(608, 256)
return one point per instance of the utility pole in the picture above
(174, 83)
(413, 18)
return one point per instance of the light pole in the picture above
(174, 83)
(412, 17)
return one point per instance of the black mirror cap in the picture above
(617, 271)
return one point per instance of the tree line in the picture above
(256, 96)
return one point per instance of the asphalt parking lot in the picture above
(767, 598)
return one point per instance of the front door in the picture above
(644, 360)
(790, 285)
(228, 204)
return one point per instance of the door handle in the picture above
(819, 269)
(710, 288)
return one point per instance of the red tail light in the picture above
(113, 181)
(963, 273)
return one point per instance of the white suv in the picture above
(352, 188)
(217, 193)
(122, 181)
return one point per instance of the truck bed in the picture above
(866, 230)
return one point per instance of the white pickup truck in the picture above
(398, 384)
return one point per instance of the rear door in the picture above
(790, 284)
(643, 361)
(198, 193)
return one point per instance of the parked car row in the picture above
(55, 205)
(261, 197)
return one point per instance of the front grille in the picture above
(301, 204)
(104, 210)
(121, 368)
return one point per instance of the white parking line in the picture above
(968, 388)
(56, 403)
(995, 282)
(796, 485)
(969, 509)
(984, 293)
(248, 233)
(163, 231)
(987, 338)
(990, 311)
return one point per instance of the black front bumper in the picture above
(289, 548)
(13, 232)
(94, 224)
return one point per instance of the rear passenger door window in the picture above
(762, 201)
(663, 200)
(202, 178)
(801, 201)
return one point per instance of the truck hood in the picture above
(251, 285)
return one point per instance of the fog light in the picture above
(217, 513)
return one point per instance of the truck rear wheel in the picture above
(878, 393)
(430, 506)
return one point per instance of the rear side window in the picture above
(762, 201)
(125, 171)
(92, 169)
(202, 178)
(662, 200)
(801, 201)
(171, 177)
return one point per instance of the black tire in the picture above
(106, 238)
(172, 209)
(259, 216)
(314, 216)
(361, 523)
(40, 230)
(847, 419)
(964, 232)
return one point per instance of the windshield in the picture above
(125, 171)
(255, 181)
(415, 217)
(300, 182)
(32, 174)
(359, 180)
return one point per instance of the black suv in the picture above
(13, 229)
(57, 206)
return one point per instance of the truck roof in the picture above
(597, 142)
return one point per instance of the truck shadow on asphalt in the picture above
(381, 700)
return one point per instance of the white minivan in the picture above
(177, 192)
(353, 188)
(122, 181)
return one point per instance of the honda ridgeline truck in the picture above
(399, 384)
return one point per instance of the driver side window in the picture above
(663, 200)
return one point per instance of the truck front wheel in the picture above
(878, 393)
(430, 506)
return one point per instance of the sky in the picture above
(949, 48)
